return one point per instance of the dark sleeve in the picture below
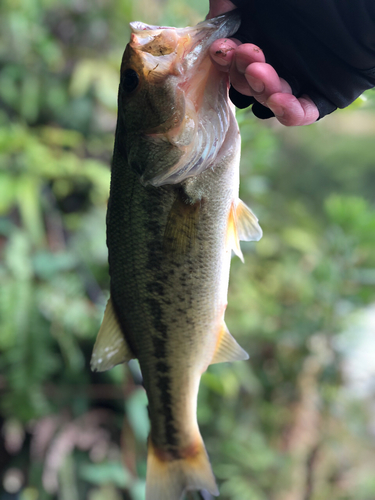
(323, 48)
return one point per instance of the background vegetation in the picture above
(296, 422)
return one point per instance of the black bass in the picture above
(173, 219)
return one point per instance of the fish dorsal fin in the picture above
(181, 228)
(228, 348)
(110, 348)
(242, 225)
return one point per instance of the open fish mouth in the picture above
(178, 59)
(195, 40)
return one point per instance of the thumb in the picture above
(218, 7)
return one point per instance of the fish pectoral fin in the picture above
(247, 223)
(242, 225)
(110, 348)
(228, 348)
(181, 228)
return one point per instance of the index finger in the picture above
(222, 52)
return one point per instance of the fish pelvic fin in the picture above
(110, 348)
(228, 348)
(242, 225)
(181, 228)
(168, 478)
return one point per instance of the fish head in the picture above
(147, 97)
(173, 103)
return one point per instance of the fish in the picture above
(173, 219)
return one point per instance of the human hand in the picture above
(252, 76)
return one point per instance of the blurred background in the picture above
(295, 422)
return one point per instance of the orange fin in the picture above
(228, 348)
(168, 479)
(247, 223)
(242, 225)
(110, 348)
(181, 229)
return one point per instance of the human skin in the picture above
(251, 75)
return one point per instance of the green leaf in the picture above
(136, 410)
(106, 473)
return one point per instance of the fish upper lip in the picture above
(221, 26)
(206, 32)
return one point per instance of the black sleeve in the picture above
(323, 48)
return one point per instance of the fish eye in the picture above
(130, 80)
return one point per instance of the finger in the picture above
(291, 111)
(285, 87)
(222, 52)
(246, 55)
(263, 80)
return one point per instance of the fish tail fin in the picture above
(168, 478)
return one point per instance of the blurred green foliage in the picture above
(282, 426)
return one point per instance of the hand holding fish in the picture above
(251, 76)
(320, 56)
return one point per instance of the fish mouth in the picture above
(199, 126)
(191, 44)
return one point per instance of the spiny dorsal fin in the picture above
(181, 229)
(242, 225)
(110, 348)
(228, 348)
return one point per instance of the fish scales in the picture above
(167, 310)
(173, 218)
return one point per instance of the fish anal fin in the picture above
(228, 348)
(181, 228)
(242, 225)
(168, 478)
(110, 348)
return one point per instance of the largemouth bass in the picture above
(173, 218)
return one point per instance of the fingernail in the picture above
(255, 84)
(277, 110)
